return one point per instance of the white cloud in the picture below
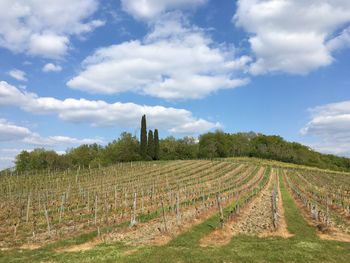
(50, 67)
(101, 113)
(10, 131)
(341, 41)
(18, 74)
(148, 9)
(53, 46)
(174, 61)
(292, 35)
(36, 139)
(43, 28)
(331, 124)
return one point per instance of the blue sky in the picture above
(83, 71)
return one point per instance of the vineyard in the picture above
(161, 204)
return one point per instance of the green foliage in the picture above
(211, 145)
(143, 138)
(156, 145)
(86, 155)
(150, 145)
(125, 149)
(40, 159)
(174, 149)
(218, 144)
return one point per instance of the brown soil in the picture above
(255, 218)
(30, 246)
(130, 252)
(153, 232)
(282, 229)
(331, 233)
(149, 233)
(81, 247)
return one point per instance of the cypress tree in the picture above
(150, 148)
(156, 145)
(143, 138)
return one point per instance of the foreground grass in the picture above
(304, 246)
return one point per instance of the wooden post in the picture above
(47, 220)
(163, 212)
(28, 205)
(142, 203)
(115, 197)
(106, 209)
(15, 230)
(133, 220)
(88, 202)
(62, 208)
(95, 210)
(178, 217)
(221, 213)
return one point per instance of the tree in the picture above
(143, 138)
(156, 145)
(22, 161)
(150, 146)
(127, 148)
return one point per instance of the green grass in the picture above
(304, 246)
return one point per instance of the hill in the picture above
(209, 146)
(230, 210)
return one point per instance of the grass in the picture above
(304, 246)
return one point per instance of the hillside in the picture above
(210, 145)
(245, 210)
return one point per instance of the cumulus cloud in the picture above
(149, 9)
(36, 139)
(18, 74)
(50, 67)
(13, 132)
(10, 131)
(174, 61)
(341, 41)
(292, 36)
(43, 28)
(331, 124)
(101, 113)
(51, 45)
(22, 136)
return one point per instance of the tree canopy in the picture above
(210, 145)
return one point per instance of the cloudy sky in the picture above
(83, 71)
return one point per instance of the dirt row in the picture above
(153, 232)
(254, 219)
(323, 231)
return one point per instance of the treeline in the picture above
(125, 149)
(210, 145)
(220, 144)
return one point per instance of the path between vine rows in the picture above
(330, 233)
(152, 232)
(255, 219)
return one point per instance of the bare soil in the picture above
(282, 229)
(81, 247)
(255, 218)
(153, 232)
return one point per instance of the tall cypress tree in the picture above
(150, 148)
(143, 138)
(156, 145)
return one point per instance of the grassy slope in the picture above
(305, 246)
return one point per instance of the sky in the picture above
(83, 71)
